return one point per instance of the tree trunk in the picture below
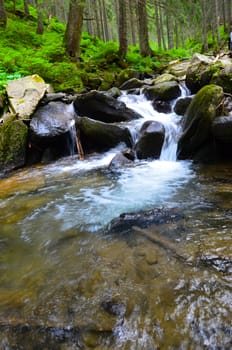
(122, 28)
(73, 32)
(217, 24)
(105, 22)
(157, 23)
(145, 49)
(26, 9)
(169, 31)
(3, 16)
(204, 24)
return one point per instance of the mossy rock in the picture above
(164, 78)
(222, 75)
(126, 74)
(164, 91)
(107, 80)
(13, 139)
(199, 117)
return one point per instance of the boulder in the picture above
(13, 140)
(199, 72)
(181, 105)
(99, 106)
(162, 106)
(53, 119)
(165, 91)
(178, 68)
(133, 83)
(150, 142)
(222, 129)
(165, 77)
(99, 136)
(24, 95)
(222, 73)
(197, 130)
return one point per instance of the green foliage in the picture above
(4, 78)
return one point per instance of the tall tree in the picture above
(122, 28)
(73, 31)
(144, 46)
(3, 16)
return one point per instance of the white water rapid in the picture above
(87, 195)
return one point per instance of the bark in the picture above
(204, 24)
(157, 23)
(145, 49)
(74, 28)
(122, 28)
(3, 16)
(26, 9)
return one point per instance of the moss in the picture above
(13, 137)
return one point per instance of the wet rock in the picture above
(122, 159)
(13, 139)
(59, 96)
(125, 222)
(150, 141)
(181, 105)
(165, 91)
(197, 140)
(54, 119)
(114, 92)
(99, 136)
(165, 77)
(24, 95)
(99, 106)
(222, 129)
(162, 106)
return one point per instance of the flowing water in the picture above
(68, 282)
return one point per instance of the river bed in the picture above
(68, 282)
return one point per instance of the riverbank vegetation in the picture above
(38, 37)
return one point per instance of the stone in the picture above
(13, 141)
(150, 141)
(99, 136)
(181, 105)
(24, 94)
(197, 130)
(165, 91)
(102, 107)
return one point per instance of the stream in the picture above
(67, 282)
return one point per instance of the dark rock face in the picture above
(181, 105)
(150, 140)
(222, 133)
(157, 216)
(52, 133)
(196, 140)
(162, 106)
(52, 120)
(99, 136)
(131, 84)
(99, 106)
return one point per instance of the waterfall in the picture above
(72, 139)
(170, 121)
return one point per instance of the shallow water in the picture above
(68, 282)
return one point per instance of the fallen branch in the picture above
(79, 146)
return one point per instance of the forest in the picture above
(71, 44)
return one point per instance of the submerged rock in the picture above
(157, 216)
(99, 106)
(122, 159)
(150, 142)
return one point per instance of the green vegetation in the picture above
(23, 52)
